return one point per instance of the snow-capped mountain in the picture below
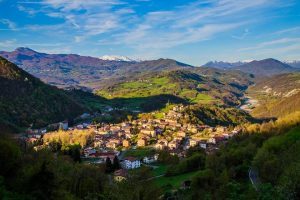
(117, 58)
(224, 64)
(293, 63)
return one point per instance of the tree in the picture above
(129, 117)
(55, 146)
(9, 157)
(108, 165)
(42, 184)
(116, 163)
(74, 152)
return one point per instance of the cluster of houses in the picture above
(168, 133)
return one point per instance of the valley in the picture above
(149, 100)
(169, 127)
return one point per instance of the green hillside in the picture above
(193, 86)
(277, 95)
(216, 115)
(25, 100)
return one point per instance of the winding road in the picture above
(253, 176)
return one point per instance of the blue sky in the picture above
(191, 31)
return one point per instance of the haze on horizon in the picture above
(191, 31)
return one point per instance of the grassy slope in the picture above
(276, 102)
(173, 182)
(194, 86)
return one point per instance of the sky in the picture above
(190, 31)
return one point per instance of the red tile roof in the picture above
(131, 159)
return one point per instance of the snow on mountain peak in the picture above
(116, 58)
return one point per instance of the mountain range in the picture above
(266, 67)
(223, 64)
(71, 70)
(90, 73)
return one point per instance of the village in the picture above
(110, 141)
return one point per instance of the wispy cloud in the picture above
(272, 43)
(10, 24)
(146, 26)
(192, 22)
(7, 43)
(288, 30)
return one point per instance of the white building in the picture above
(203, 145)
(131, 163)
(150, 159)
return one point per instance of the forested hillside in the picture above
(25, 100)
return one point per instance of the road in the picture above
(253, 176)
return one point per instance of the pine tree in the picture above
(116, 164)
(108, 165)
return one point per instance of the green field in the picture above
(159, 170)
(173, 182)
(145, 88)
(155, 86)
(139, 153)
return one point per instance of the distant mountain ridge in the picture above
(65, 70)
(293, 63)
(266, 67)
(223, 64)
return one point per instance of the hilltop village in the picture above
(107, 141)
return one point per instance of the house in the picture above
(148, 132)
(212, 140)
(88, 151)
(63, 125)
(115, 129)
(159, 130)
(131, 163)
(85, 116)
(79, 126)
(111, 145)
(98, 143)
(128, 135)
(219, 138)
(126, 143)
(120, 175)
(193, 142)
(181, 134)
(225, 135)
(203, 145)
(32, 140)
(160, 145)
(127, 129)
(103, 155)
(141, 143)
(150, 159)
(173, 144)
(221, 129)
